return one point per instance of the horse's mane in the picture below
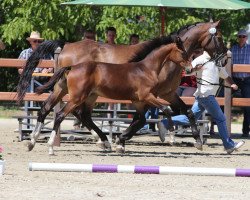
(150, 46)
(157, 42)
(185, 28)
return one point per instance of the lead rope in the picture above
(216, 60)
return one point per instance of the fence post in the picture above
(228, 94)
(57, 107)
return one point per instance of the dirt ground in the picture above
(18, 183)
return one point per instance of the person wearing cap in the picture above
(241, 55)
(35, 40)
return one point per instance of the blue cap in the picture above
(242, 32)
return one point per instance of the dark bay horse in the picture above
(136, 81)
(197, 36)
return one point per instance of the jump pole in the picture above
(63, 167)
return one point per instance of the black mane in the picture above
(150, 46)
(157, 42)
(187, 27)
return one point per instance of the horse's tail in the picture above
(53, 80)
(46, 48)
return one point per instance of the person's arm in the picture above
(230, 81)
(223, 74)
(48, 70)
(21, 56)
(197, 64)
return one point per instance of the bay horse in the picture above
(198, 37)
(136, 81)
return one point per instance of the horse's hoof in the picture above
(100, 144)
(51, 152)
(29, 145)
(95, 136)
(105, 146)
(117, 141)
(120, 149)
(172, 138)
(198, 145)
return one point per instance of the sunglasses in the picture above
(37, 41)
(242, 36)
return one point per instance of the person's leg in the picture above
(197, 109)
(213, 108)
(147, 114)
(179, 90)
(154, 115)
(245, 91)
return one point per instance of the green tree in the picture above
(55, 21)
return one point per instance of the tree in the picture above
(54, 21)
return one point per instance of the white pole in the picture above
(62, 167)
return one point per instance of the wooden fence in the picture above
(227, 101)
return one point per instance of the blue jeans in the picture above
(211, 105)
(153, 112)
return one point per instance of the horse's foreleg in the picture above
(86, 109)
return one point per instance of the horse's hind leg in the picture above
(86, 116)
(46, 107)
(60, 116)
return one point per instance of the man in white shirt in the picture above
(208, 74)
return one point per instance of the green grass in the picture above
(9, 111)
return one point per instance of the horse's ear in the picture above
(215, 24)
(179, 43)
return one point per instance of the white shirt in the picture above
(209, 72)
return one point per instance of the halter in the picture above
(218, 56)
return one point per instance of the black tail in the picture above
(47, 47)
(53, 80)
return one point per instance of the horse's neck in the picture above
(155, 60)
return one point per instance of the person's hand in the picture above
(50, 70)
(234, 86)
(47, 70)
(20, 70)
(197, 68)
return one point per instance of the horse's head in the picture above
(203, 35)
(211, 40)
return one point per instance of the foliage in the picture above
(54, 21)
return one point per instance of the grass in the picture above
(9, 111)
